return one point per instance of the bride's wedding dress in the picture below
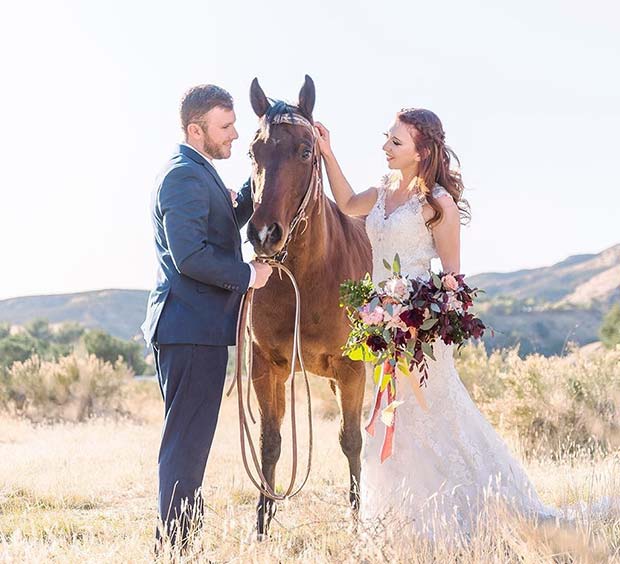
(447, 461)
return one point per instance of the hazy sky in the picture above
(529, 94)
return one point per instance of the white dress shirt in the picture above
(252, 269)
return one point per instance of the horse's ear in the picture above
(259, 101)
(307, 97)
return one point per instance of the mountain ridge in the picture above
(541, 309)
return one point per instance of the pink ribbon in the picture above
(388, 440)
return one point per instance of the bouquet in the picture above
(394, 326)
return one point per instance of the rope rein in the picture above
(244, 330)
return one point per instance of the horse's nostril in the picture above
(252, 233)
(274, 233)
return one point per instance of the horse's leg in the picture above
(350, 395)
(269, 385)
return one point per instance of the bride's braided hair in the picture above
(436, 156)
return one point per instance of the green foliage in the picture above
(18, 347)
(39, 329)
(110, 349)
(610, 328)
(355, 293)
(68, 333)
(36, 337)
(50, 343)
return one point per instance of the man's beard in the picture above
(215, 151)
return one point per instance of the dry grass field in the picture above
(86, 491)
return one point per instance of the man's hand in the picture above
(233, 197)
(263, 272)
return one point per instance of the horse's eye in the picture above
(306, 154)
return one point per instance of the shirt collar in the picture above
(200, 153)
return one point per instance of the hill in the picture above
(118, 312)
(541, 309)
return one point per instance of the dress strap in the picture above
(382, 187)
(439, 191)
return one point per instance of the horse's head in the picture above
(283, 155)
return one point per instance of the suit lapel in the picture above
(197, 157)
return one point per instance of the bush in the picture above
(68, 333)
(19, 347)
(553, 404)
(75, 387)
(109, 348)
(38, 338)
(610, 329)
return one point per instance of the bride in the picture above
(447, 460)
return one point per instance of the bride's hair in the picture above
(436, 157)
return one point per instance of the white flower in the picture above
(398, 288)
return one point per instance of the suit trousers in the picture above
(191, 378)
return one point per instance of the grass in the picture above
(86, 492)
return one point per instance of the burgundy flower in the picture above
(401, 337)
(376, 343)
(412, 317)
(477, 328)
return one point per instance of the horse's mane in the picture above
(278, 107)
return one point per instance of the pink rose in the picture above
(374, 317)
(454, 304)
(449, 283)
(394, 320)
(397, 288)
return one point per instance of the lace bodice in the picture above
(403, 232)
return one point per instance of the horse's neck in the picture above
(309, 243)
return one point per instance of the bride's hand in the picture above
(323, 138)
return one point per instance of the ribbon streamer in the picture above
(390, 410)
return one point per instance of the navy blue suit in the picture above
(191, 319)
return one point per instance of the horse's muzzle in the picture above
(267, 240)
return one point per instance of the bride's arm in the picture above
(346, 199)
(447, 235)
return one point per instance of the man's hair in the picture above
(198, 100)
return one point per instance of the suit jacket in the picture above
(201, 275)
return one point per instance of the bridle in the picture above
(315, 186)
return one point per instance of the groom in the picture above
(192, 311)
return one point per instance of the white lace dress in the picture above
(445, 460)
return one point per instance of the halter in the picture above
(315, 187)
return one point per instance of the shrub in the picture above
(553, 404)
(19, 347)
(610, 328)
(109, 348)
(75, 387)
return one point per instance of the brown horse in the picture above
(322, 251)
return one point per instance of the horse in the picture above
(295, 222)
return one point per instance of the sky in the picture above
(527, 92)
